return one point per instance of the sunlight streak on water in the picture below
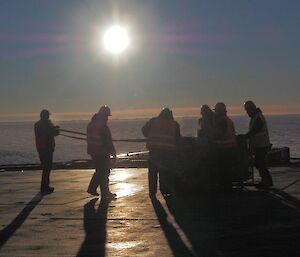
(121, 175)
(124, 245)
(126, 189)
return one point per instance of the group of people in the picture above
(163, 142)
(218, 129)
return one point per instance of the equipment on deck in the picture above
(198, 166)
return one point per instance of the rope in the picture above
(130, 140)
(84, 139)
(73, 132)
(79, 138)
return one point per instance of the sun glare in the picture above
(116, 39)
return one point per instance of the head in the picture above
(104, 112)
(166, 113)
(250, 108)
(45, 114)
(205, 110)
(220, 109)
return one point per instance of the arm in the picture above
(178, 135)
(52, 130)
(257, 126)
(199, 130)
(146, 128)
(55, 131)
(107, 140)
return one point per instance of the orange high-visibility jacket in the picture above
(95, 139)
(162, 135)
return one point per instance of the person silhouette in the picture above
(45, 132)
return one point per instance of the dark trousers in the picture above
(46, 159)
(101, 175)
(162, 164)
(260, 162)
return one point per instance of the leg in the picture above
(46, 163)
(95, 180)
(167, 173)
(225, 165)
(152, 178)
(260, 163)
(104, 176)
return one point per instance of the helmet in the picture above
(204, 108)
(220, 108)
(166, 113)
(249, 105)
(44, 115)
(104, 111)
(250, 108)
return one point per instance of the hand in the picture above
(56, 130)
(112, 160)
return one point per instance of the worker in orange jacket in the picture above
(100, 148)
(225, 144)
(163, 135)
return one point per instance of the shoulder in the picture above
(176, 123)
(259, 117)
(151, 121)
(38, 124)
(51, 124)
(229, 119)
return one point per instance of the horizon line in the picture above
(148, 113)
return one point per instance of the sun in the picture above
(116, 39)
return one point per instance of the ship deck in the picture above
(245, 222)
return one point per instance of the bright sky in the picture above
(182, 54)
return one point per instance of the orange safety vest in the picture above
(162, 135)
(229, 140)
(95, 145)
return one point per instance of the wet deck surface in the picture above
(69, 223)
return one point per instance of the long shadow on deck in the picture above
(11, 228)
(177, 246)
(242, 223)
(95, 229)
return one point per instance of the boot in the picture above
(265, 183)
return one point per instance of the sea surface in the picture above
(17, 144)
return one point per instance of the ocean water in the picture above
(17, 144)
